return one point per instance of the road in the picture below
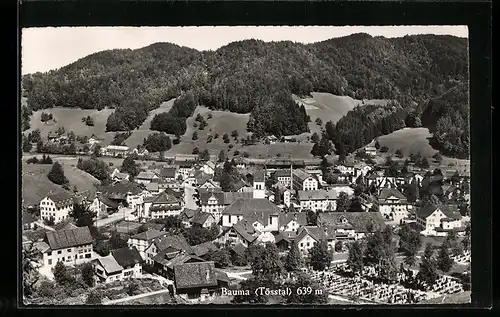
(40, 224)
(189, 200)
(237, 275)
(119, 215)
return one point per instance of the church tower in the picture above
(259, 184)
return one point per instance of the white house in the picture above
(346, 168)
(287, 197)
(159, 244)
(119, 176)
(184, 170)
(57, 206)
(161, 206)
(215, 201)
(301, 180)
(308, 236)
(284, 177)
(146, 177)
(208, 168)
(439, 220)
(260, 212)
(72, 247)
(292, 221)
(94, 140)
(351, 225)
(371, 150)
(393, 205)
(318, 200)
(143, 240)
(120, 264)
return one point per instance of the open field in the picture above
(329, 107)
(409, 140)
(144, 130)
(71, 120)
(36, 185)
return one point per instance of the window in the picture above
(307, 243)
(49, 261)
(88, 255)
(59, 252)
(49, 253)
(301, 245)
(69, 250)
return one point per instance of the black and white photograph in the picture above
(292, 165)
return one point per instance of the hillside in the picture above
(329, 107)
(253, 77)
(137, 137)
(36, 185)
(408, 140)
(70, 120)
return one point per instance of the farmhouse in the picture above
(174, 244)
(186, 216)
(118, 176)
(208, 168)
(125, 193)
(120, 264)
(263, 214)
(303, 181)
(240, 233)
(308, 236)
(393, 205)
(292, 221)
(203, 219)
(318, 200)
(161, 206)
(143, 240)
(284, 239)
(215, 201)
(168, 173)
(439, 220)
(146, 177)
(184, 170)
(195, 280)
(57, 206)
(371, 150)
(68, 246)
(351, 225)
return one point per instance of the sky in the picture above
(48, 48)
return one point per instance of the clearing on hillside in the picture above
(409, 140)
(329, 107)
(36, 185)
(71, 120)
(137, 137)
(222, 122)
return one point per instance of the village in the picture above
(370, 228)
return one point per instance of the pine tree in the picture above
(444, 260)
(320, 256)
(56, 174)
(129, 166)
(88, 274)
(293, 259)
(355, 259)
(222, 156)
(428, 268)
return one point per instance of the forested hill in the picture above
(254, 76)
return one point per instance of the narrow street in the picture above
(189, 200)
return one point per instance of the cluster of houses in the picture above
(248, 215)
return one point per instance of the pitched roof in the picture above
(108, 202)
(152, 187)
(191, 275)
(302, 175)
(223, 198)
(248, 206)
(66, 226)
(259, 175)
(239, 184)
(358, 220)
(317, 233)
(128, 256)
(168, 172)
(222, 276)
(178, 242)
(201, 217)
(162, 198)
(204, 248)
(61, 198)
(68, 238)
(239, 248)
(386, 193)
(109, 264)
(320, 194)
(245, 229)
(288, 236)
(283, 173)
(299, 217)
(148, 235)
(122, 188)
(146, 175)
(202, 177)
(450, 211)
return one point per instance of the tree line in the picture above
(252, 76)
